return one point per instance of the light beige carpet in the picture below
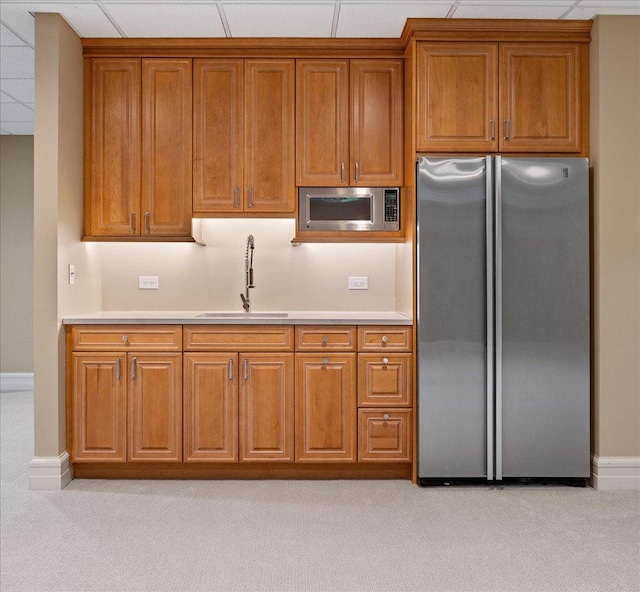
(306, 535)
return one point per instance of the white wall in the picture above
(191, 277)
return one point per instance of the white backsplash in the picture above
(211, 277)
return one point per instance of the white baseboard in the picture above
(50, 473)
(16, 381)
(610, 473)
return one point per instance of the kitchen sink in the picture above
(243, 315)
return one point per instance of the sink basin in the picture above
(244, 315)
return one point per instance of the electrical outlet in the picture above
(358, 283)
(148, 282)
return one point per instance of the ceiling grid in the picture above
(241, 18)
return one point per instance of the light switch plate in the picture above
(72, 274)
(148, 282)
(358, 282)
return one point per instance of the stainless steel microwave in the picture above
(348, 208)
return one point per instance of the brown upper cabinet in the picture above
(137, 149)
(243, 137)
(506, 97)
(349, 122)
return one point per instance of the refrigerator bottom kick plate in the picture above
(456, 481)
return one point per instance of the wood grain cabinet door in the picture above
(457, 97)
(99, 408)
(376, 122)
(385, 435)
(155, 407)
(112, 147)
(326, 407)
(166, 147)
(322, 122)
(540, 97)
(385, 379)
(211, 407)
(218, 100)
(266, 407)
(269, 136)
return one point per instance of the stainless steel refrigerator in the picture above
(503, 319)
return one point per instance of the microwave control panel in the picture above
(392, 208)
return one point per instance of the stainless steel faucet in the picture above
(248, 273)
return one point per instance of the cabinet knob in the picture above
(325, 340)
(125, 338)
(384, 340)
(385, 361)
(325, 361)
(385, 417)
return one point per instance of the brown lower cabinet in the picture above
(127, 407)
(317, 396)
(326, 407)
(238, 407)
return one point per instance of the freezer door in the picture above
(452, 318)
(542, 317)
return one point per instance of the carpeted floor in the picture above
(306, 535)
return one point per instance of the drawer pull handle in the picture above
(147, 222)
(118, 369)
(133, 222)
(133, 368)
(230, 368)
(236, 197)
(245, 369)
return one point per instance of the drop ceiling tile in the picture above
(512, 9)
(17, 128)
(291, 19)
(17, 62)
(166, 19)
(5, 98)
(7, 37)
(384, 19)
(21, 89)
(86, 18)
(591, 9)
(15, 112)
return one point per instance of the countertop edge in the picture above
(192, 318)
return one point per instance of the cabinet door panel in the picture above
(112, 147)
(540, 97)
(266, 407)
(99, 408)
(155, 407)
(384, 435)
(322, 122)
(166, 147)
(385, 379)
(325, 408)
(376, 122)
(217, 135)
(211, 407)
(269, 136)
(457, 96)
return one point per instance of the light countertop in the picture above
(238, 317)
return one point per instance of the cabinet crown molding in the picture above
(495, 30)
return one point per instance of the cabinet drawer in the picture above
(314, 338)
(126, 337)
(389, 338)
(384, 435)
(238, 338)
(385, 380)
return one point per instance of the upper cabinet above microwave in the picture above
(349, 122)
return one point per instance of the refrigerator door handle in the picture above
(490, 315)
(498, 315)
